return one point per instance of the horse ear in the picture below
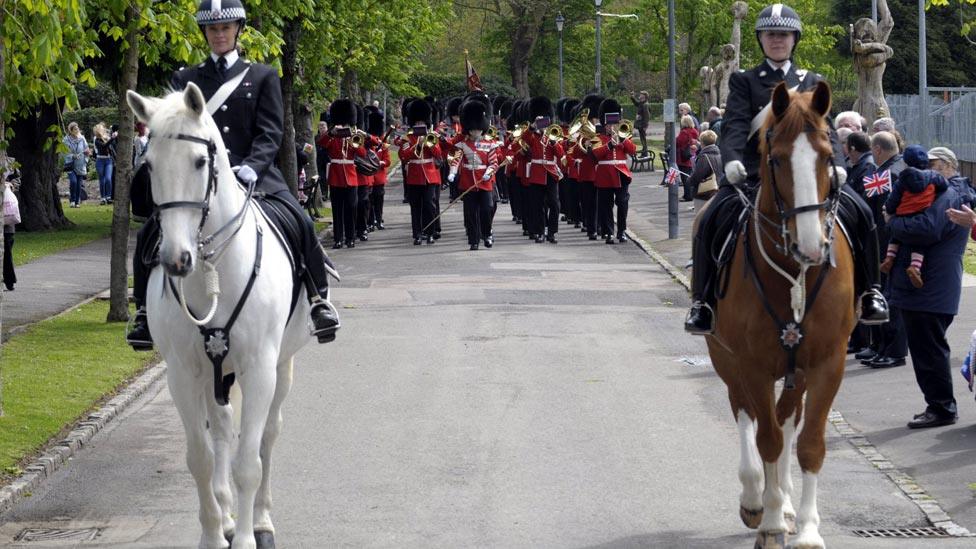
(143, 107)
(194, 100)
(781, 99)
(821, 98)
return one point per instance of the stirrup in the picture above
(695, 330)
(138, 343)
(325, 335)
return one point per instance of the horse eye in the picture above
(200, 163)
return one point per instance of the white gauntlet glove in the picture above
(735, 172)
(246, 174)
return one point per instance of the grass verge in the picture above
(56, 372)
(92, 222)
(969, 258)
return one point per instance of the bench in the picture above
(639, 163)
(308, 196)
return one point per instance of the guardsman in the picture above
(342, 144)
(251, 119)
(376, 127)
(587, 167)
(778, 29)
(612, 173)
(498, 123)
(542, 170)
(365, 180)
(477, 162)
(511, 163)
(418, 152)
(569, 199)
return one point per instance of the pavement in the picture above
(529, 395)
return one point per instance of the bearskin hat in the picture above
(570, 109)
(474, 116)
(592, 102)
(496, 104)
(559, 108)
(505, 109)
(405, 108)
(419, 112)
(342, 112)
(374, 123)
(479, 96)
(539, 106)
(360, 117)
(454, 106)
(608, 105)
(515, 116)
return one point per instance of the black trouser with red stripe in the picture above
(344, 203)
(587, 198)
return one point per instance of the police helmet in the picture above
(212, 12)
(779, 17)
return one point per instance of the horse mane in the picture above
(799, 117)
(172, 117)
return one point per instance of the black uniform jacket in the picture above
(251, 121)
(749, 92)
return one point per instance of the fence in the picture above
(950, 119)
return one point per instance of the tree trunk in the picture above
(35, 148)
(349, 85)
(289, 55)
(3, 161)
(303, 132)
(119, 271)
(524, 38)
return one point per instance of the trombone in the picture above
(428, 142)
(517, 135)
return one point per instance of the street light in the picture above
(598, 25)
(560, 20)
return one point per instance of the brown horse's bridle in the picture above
(830, 205)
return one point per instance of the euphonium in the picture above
(581, 120)
(554, 133)
(518, 131)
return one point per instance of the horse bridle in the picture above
(204, 205)
(829, 205)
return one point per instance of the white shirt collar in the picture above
(786, 66)
(230, 56)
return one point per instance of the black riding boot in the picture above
(147, 240)
(700, 319)
(858, 218)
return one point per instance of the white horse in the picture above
(199, 195)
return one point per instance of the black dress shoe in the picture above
(683, 199)
(417, 241)
(363, 237)
(489, 242)
(324, 322)
(622, 238)
(350, 243)
(337, 246)
(562, 218)
(874, 308)
(699, 319)
(381, 227)
(887, 362)
(591, 236)
(552, 239)
(139, 337)
(583, 229)
(850, 349)
(474, 247)
(526, 233)
(538, 239)
(431, 239)
(577, 225)
(437, 235)
(610, 240)
(866, 353)
(928, 419)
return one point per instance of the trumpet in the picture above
(357, 139)
(428, 142)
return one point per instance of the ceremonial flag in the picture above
(474, 83)
(672, 176)
(877, 184)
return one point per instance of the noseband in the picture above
(829, 205)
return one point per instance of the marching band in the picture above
(570, 159)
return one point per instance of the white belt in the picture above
(473, 167)
(422, 161)
(342, 161)
(546, 162)
(605, 162)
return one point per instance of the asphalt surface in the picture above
(530, 395)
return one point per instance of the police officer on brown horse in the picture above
(778, 29)
(249, 113)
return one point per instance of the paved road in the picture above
(530, 395)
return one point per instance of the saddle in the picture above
(729, 217)
(285, 222)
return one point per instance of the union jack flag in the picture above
(672, 176)
(877, 184)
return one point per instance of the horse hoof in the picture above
(264, 539)
(750, 518)
(770, 540)
(790, 524)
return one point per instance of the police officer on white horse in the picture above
(250, 117)
(778, 29)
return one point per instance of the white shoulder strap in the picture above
(757, 121)
(224, 91)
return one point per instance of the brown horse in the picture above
(787, 312)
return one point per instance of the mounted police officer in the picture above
(252, 122)
(778, 29)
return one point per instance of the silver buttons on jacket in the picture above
(223, 107)
(226, 129)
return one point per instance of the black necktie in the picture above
(778, 74)
(222, 66)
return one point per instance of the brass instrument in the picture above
(517, 135)
(492, 132)
(428, 142)
(357, 139)
(625, 130)
(581, 120)
(555, 133)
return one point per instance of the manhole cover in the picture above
(58, 534)
(903, 533)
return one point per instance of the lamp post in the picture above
(598, 25)
(560, 20)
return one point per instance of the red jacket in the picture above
(611, 162)
(380, 178)
(477, 159)
(686, 138)
(341, 172)
(420, 170)
(544, 158)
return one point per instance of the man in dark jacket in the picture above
(928, 311)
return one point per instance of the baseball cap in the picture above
(943, 154)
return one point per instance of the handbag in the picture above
(709, 184)
(367, 165)
(11, 207)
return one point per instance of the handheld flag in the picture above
(877, 184)
(474, 82)
(672, 177)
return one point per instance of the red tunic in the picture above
(380, 178)
(544, 158)
(612, 162)
(341, 172)
(420, 170)
(477, 159)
